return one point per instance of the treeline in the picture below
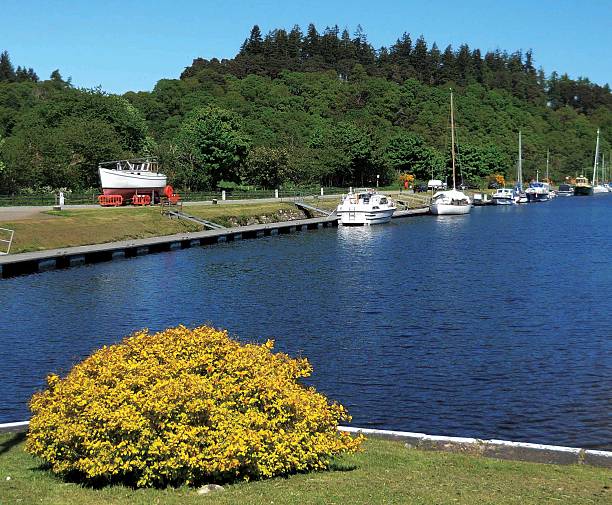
(514, 72)
(294, 109)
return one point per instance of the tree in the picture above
(265, 167)
(7, 71)
(408, 153)
(211, 148)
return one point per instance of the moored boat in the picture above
(582, 187)
(365, 207)
(538, 191)
(519, 194)
(565, 190)
(503, 196)
(451, 202)
(130, 177)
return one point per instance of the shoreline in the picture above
(493, 448)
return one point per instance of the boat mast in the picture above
(452, 137)
(520, 165)
(547, 158)
(596, 158)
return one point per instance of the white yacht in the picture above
(503, 196)
(364, 207)
(453, 201)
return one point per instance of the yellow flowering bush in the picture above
(185, 406)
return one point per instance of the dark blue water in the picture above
(493, 325)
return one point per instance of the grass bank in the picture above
(56, 229)
(386, 472)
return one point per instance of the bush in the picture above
(185, 407)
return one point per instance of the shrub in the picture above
(184, 407)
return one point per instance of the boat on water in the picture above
(451, 202)
(519, 194)
(131, 177)
(365, 207)
(598, 187)
(538, 191)
(504, 196)
(582, 186)
(565, 190)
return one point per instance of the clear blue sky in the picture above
(130, 44)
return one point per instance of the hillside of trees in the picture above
(294, 108)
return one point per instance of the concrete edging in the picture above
(500, 449)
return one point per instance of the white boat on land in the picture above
(365, 207)
(130, 177)
(504, 196)
(451, 202)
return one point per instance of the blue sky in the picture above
(126, 45)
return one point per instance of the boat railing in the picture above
(6, 240)
(132, 165)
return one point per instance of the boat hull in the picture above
(503, 201)
(445, 209)
(361, 218)
(127, 184)
(537, 197)
(583, 191)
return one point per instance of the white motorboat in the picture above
(503, 196)
(453, 201)
(450, 202)
(538, 192)
(130, 177)
(365, 207)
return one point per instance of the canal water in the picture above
(491, 325)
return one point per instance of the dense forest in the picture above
(295, 109)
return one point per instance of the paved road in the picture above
(30, 212)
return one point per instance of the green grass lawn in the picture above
(386, 472)
(74, 227)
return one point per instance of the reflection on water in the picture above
(494, 324)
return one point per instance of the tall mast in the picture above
(452, 137)
(520, 163)
(547, 158)
(596, 158)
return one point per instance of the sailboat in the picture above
(597, 187)
(453, 201)
(582, 187)
(520, 196)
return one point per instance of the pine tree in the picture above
(7, 71)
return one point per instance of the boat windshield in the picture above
(134, 165)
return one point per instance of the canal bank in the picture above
(41, 261)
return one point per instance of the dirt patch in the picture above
(24, 213)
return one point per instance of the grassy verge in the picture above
(57, 229)
(386, 472)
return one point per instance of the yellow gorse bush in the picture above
(185, 406)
